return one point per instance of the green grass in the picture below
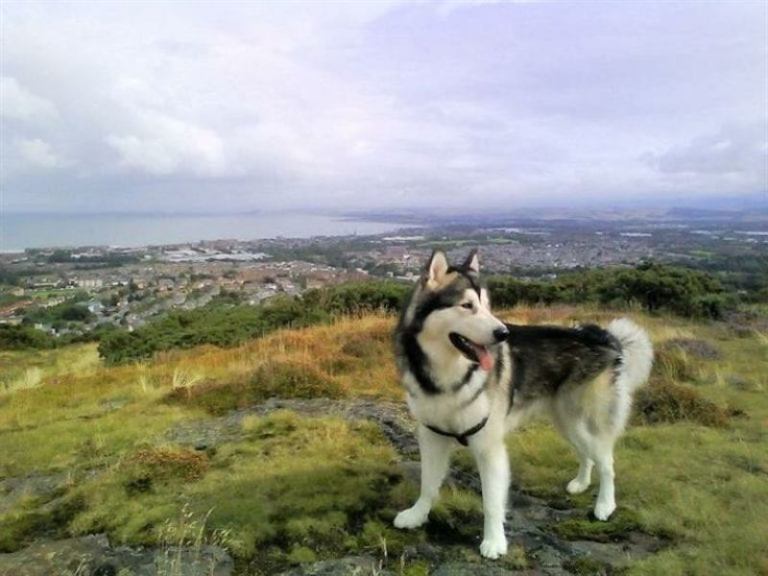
(292, 485)
(622, 523)
(77, 444)
(289, 490)
(37, 517)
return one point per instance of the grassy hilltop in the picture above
(182, 448)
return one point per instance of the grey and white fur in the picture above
(470, 379)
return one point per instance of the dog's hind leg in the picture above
(573, 429)
(584, 476)
(602, 453)
(435, 457)
(580, 440)
(493, 462)
(592, 449)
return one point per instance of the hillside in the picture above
(291, 454)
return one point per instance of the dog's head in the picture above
(450, 310)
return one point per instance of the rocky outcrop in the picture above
(94, 556)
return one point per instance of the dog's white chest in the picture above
(452, 411)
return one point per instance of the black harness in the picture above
(462, 438)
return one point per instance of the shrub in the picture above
(655, 287)
(217, 324)
(24, 337)
(59, 315)
(666, 402)
(166, 462)
(358, 297)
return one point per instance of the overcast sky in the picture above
(226, 106)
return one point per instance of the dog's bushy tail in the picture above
(636, 354)
(632, 372)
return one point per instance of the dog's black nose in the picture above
(501, 334)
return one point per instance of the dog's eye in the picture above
(467, 305)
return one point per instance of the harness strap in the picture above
(462, 438)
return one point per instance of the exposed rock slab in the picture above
(349, 566)
(391, 417)
(15, 489)
(93, 556)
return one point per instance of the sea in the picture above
(21, 231)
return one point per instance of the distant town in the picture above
(73, 291)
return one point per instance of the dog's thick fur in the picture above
(472, 378)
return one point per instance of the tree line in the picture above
(651, 286)
(227, 322)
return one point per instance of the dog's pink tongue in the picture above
(486, 360)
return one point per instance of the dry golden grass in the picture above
(351, 357)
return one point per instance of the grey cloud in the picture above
(38, 154)
(242, 105)
(731, 150)
(18, 103)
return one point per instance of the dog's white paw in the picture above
(493, 547)
(576, 486)
(411, 518)
(603, 510)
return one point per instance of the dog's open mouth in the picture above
(474, 352)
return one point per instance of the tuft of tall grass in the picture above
(183, 540)
(667, 402)
(185, 380)
(675, 365)
(30, 378)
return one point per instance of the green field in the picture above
(142, 451)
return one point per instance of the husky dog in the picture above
(470, 378)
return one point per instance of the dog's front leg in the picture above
(435, 456)
(493, 463)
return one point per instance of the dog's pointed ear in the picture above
(472, 263)
(436, 268)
